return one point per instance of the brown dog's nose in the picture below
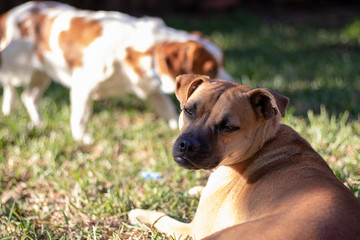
(188, 147)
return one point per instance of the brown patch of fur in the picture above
(132, 58)
(81, 33)
(176, 58)
(203, 62)
(3, 18)
(42, 34)
(27, 26)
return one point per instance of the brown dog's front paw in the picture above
(140, 216)
(136, 215)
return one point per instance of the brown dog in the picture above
(270, 184)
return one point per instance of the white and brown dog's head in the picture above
(171, 59)
(176, 58)
(223, 122)
(191, 57)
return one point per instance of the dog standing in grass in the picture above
(270, 183)
(97, 54)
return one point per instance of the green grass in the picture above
(54, 188)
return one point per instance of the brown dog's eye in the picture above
(188, 112)
(224, 126)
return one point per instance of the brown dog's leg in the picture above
(161, 222)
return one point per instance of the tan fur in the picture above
(81, 33)
(270, 184)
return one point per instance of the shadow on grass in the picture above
(309, 61)
(335, 100)
(60, 96)
(327, 75)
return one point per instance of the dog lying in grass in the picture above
(270, 183)
(97, 54)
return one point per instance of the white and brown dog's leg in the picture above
(164, 107)
(9, 99)
(32, 94)
(161, 222)
(81, 110)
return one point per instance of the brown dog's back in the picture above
(291, 193)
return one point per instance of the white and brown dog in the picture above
(97, 54)
(270, 184)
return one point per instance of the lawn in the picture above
(54, 188)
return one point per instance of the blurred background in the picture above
(160, 7)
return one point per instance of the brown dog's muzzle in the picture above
(184, 149)
(192, 152)
(188, 147)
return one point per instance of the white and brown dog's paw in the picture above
(87, 139)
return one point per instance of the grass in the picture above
(54, 188)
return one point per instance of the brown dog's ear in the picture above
(267, 104)
(186, 85)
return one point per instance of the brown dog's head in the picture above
(223, 122)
